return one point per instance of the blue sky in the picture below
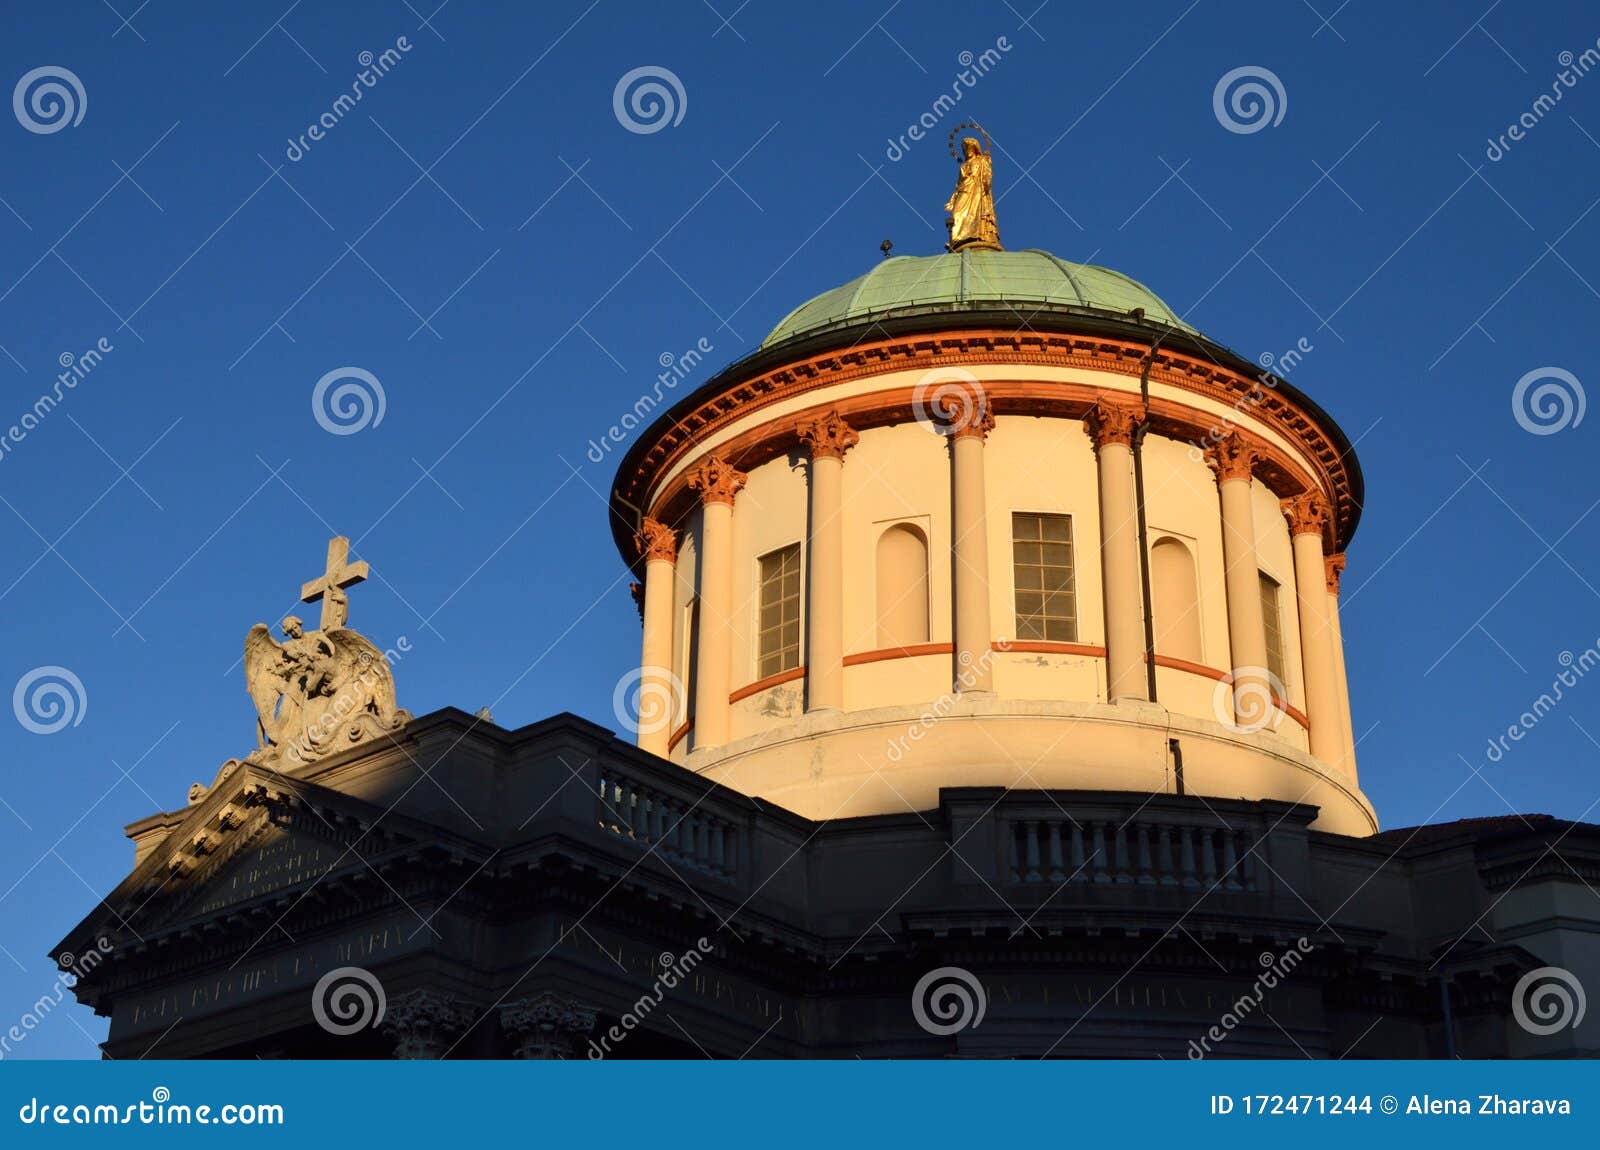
(485, 238)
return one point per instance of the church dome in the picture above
(1029, 281)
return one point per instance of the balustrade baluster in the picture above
(1186, 835)
(1164, 854)
(1230, 861)
(1146, 866)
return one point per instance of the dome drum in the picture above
(889, 596)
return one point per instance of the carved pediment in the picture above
(275, 860)
(251, 841)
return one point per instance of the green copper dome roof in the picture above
(1031, 281)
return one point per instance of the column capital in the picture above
(827, 436)
(1307, 514)
(1333, 567)
(716, 481)
(1232, 457)
(1113, 420)
(424, 1023)
(547, 1025)
(977, 422)
(655, 540)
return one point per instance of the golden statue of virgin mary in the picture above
(971, 220)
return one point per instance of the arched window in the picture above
(902, 587)
(1174, 592)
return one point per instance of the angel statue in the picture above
(316, 692)
(971, 220)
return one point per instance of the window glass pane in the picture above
(1042, 574)
(778, 615)
(1055, 528)
(1272, 625)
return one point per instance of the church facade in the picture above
(991, 702)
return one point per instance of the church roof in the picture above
(1028, 281)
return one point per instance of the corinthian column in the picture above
(547, 1026)
(970, 531)
(426, 1024)
(1111, 424)
(660, 693)
(1334, 565)
(827, 439)
(1308, 519)
(1234, 459)
(716, 483)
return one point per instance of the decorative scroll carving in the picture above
(978, 420)
(1307, 514)
(1333, 567)
(828, 436)
(655, 540)
(548, 1025)
(716, 481)
(425, 1023)
(1113, 421)
(1232, 457)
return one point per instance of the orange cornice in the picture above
(1201, 669)
(760, 685)
(912, 652)
(1275, 467)
(1190, 373)
(1185, 665)
(1036, 647)
(1024, 646)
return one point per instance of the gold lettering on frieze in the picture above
(1163, 997)
(283, 863)
(215, 992)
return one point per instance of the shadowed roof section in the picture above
(1030, 281)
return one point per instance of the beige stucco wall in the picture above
(901, 474)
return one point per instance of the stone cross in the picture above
(330, 585)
